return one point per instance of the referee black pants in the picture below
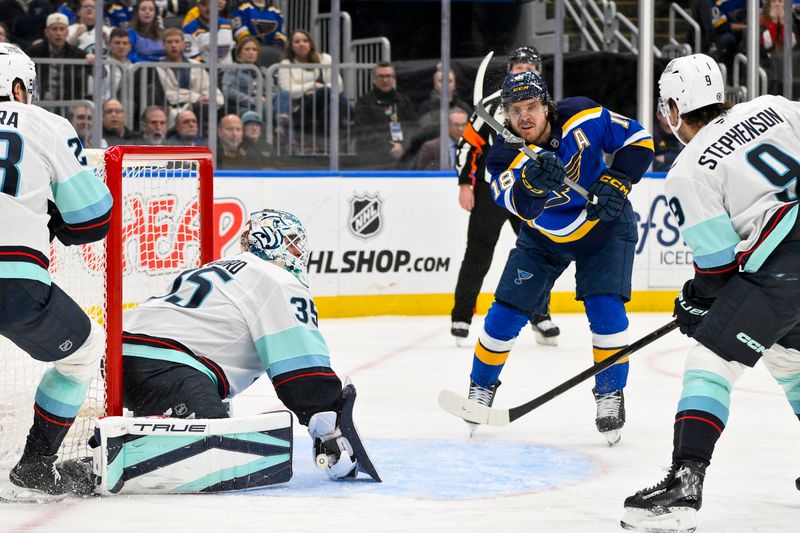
(485, 222)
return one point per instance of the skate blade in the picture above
(674, 520)
(545, 341)
(14, 494)
(613, 436)
(461, 342)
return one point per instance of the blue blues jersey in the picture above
(581, 137)
(64, 9)
(119, 14)
(263, 23)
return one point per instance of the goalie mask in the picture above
(16, 65)
(280, 238)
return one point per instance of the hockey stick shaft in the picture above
(521, 410)
(508, 135)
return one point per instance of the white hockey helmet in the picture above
(15, 64)
(691, 82)
(280, 238)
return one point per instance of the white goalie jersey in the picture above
(733, 189)
(232, 319)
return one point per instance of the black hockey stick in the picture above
(519, 143)
(470, 411)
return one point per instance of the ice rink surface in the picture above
(549, 471)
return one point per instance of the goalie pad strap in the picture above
(175, 455)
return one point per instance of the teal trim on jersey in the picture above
(289, 344)
(61, 395)
(165, 354)
(704, 403)
(769, 244)
(234, 472)
(298, 363)
(791, 386)
(712, 241)
(699, 383)
(82, 197)
(19, 270)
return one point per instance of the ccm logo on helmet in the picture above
(750, 343)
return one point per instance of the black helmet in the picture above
(524, 86)
(525, 54)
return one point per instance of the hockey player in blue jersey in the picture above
(572, 138)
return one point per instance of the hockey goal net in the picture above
(161, 224)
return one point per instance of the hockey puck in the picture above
(322, 461)
(797, 483)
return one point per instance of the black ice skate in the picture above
(459, 330)
(545, 329)
(672, 505)
(37, 479)
(610, 415)
(483, 396)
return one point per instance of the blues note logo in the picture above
(522, 276)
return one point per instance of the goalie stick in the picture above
(470, 411)
(519, 143)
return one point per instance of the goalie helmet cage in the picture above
(161, 224)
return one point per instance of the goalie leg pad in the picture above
(173, 455)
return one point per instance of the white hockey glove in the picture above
(332, 451)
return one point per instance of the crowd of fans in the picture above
(165, 45)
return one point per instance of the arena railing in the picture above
(677, 11)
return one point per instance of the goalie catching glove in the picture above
(542, 176)
(611, 190)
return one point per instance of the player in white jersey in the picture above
(221, 326)
(43, 173)
(733, 192)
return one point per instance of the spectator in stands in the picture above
(81, 119)
(305, 91)
(119, 46)
(262, 20)
(184, 87)
(25, 20)
(428, 124)
(255, 144)
(186, 131)
(114, 129)
(81, 32)
(721, 30)
(230, 153)
(428, 156)
(3, 33)
(385, 119)
(144, 31)
(666, 145)
(119, 13)
(240, 86)
(773, 24)
(154, 126)
(68, 82)
(197, 35)
(431, 105)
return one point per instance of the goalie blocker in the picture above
(177, 455)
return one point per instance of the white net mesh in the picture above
(160, 234)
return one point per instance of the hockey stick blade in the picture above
(509, 137)
(480, 414)
(471, 411)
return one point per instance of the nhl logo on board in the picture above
(66, 345)
(365, 215)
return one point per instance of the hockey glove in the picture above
(689, 310)
(56, 224)
(332, 451)
(611, 189)
(542, 176)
